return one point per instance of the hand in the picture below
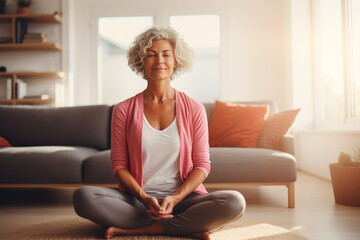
(154, 210)
(168, 204)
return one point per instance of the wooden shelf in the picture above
(33, 74)
(28, 101)
(30, 46)
(50, 18)
(19, 24)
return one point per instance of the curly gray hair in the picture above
(137, 51)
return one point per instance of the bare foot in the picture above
(111, 231)
(202, 235)
(155, 228)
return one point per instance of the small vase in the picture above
(23, 10)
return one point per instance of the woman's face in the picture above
(159, 62)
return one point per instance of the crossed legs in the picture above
(195, 215)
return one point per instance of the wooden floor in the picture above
(315, 215)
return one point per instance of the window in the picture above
(352, 10)
(117, 82)
(328, 59)
(336, 60)
(202, 33)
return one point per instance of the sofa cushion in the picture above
(4, 142)
(209, 107)
(97, 168)
(276, 126)
(43, 164)
(250, 165)
(236, 125)
(62, 126)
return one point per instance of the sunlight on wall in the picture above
(117, 82)
(202, 33)
(194, 27)
(122, 30)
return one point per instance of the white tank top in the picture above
(160, 154)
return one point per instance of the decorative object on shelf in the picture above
(345, 178)
(2, 6)
(2, 69)
(23, 6)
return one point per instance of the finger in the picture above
(154, 217)
(155, 204)
(163, 205)
(168, 216)
(158, 213)
(167, 207)
(160, 217)
(152, 203)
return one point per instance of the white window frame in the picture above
(350, 116)
(349, 122)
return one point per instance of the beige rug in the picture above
(78, 228)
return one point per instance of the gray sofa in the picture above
(70, 147)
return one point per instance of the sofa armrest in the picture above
(288, 145)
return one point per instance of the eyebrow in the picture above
(150, 50)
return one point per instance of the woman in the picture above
(159, 154)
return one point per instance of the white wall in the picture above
(255, 50)
(258, 51)
(317, 149)
(302, 73)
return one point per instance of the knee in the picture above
(81, 199)
(238, 203)
(233, 203)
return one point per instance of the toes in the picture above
(109, 233)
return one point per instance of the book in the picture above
(34, 34)
(35, 38)
(21, 89)
(21, 30)
(26, 40)
(8, 88)
(41, 96)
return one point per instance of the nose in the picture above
(159, 59)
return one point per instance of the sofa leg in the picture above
(291, 194)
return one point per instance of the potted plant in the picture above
(23, 6)
(345, 178)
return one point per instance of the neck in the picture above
(159, 92)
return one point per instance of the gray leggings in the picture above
(196, 213)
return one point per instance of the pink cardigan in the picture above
(126, 135)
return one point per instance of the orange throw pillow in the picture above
(4, 142)
(276, 126)
(236, 125)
